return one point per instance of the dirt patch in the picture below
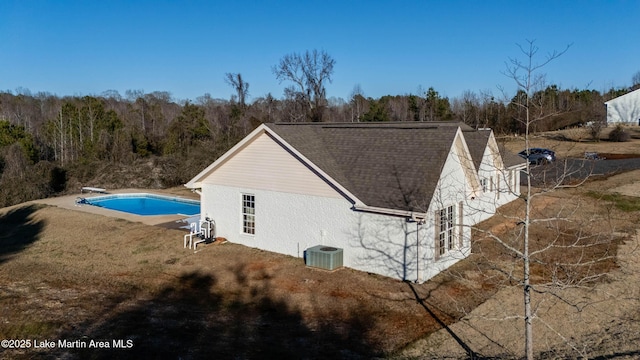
(561, 142)
(611, 156)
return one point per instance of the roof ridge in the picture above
(397, 127)
(377, 125)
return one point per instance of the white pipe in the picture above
(417, 252)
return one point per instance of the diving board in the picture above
(92, 189)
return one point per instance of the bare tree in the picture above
(635, 80)
(309, 72)
(357, 101)
(15, 163)
(595, 129)
(526, 75)
(239, 85)
(467, 108)
(542, 253)
(137, 103)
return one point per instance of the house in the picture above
(498, 172)
(395, 199)
(624, 109)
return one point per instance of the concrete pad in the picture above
(69, 202)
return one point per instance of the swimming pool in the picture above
(146, 204)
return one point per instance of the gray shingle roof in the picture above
(387, 165)
(477, 143)
(510, 159)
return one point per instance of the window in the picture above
(445, 219)
(512, 181)
(460, 224)
(248, 214)
(483, 184)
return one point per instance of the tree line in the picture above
(50, 142)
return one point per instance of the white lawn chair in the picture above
(193, 231)
(204, 233)
(207, 232)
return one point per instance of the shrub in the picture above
(595, 129)
(619, 134)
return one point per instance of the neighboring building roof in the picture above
(511, 160)
(624, 108)
(386, 165)
(630, 94)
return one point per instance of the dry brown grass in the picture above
(574, 143)
(591, 312)
(574, 247)
(72, 275)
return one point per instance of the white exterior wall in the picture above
(624, 109)
(286, 223)
(264, 164)
(503, 186)
(457, 186)
(289, 224)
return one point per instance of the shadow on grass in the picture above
(194, 317)
(471, 354)
(18, 230)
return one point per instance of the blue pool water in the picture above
(146, 204)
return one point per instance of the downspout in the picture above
(417, 252)
(418, 221)
(418, 277)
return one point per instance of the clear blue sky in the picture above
(387, 47)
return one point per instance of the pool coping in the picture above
(69, 202)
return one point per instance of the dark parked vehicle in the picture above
(538, 155)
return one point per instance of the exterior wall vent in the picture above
(324, 257)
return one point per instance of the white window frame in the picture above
(248, 209)
(483, 184)
(512, 181)
(446, 230)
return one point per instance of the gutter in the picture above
(194, 189)
(416, 216)
(516, 166)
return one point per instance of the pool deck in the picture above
(69, 202)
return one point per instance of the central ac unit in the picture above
(324, 257)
